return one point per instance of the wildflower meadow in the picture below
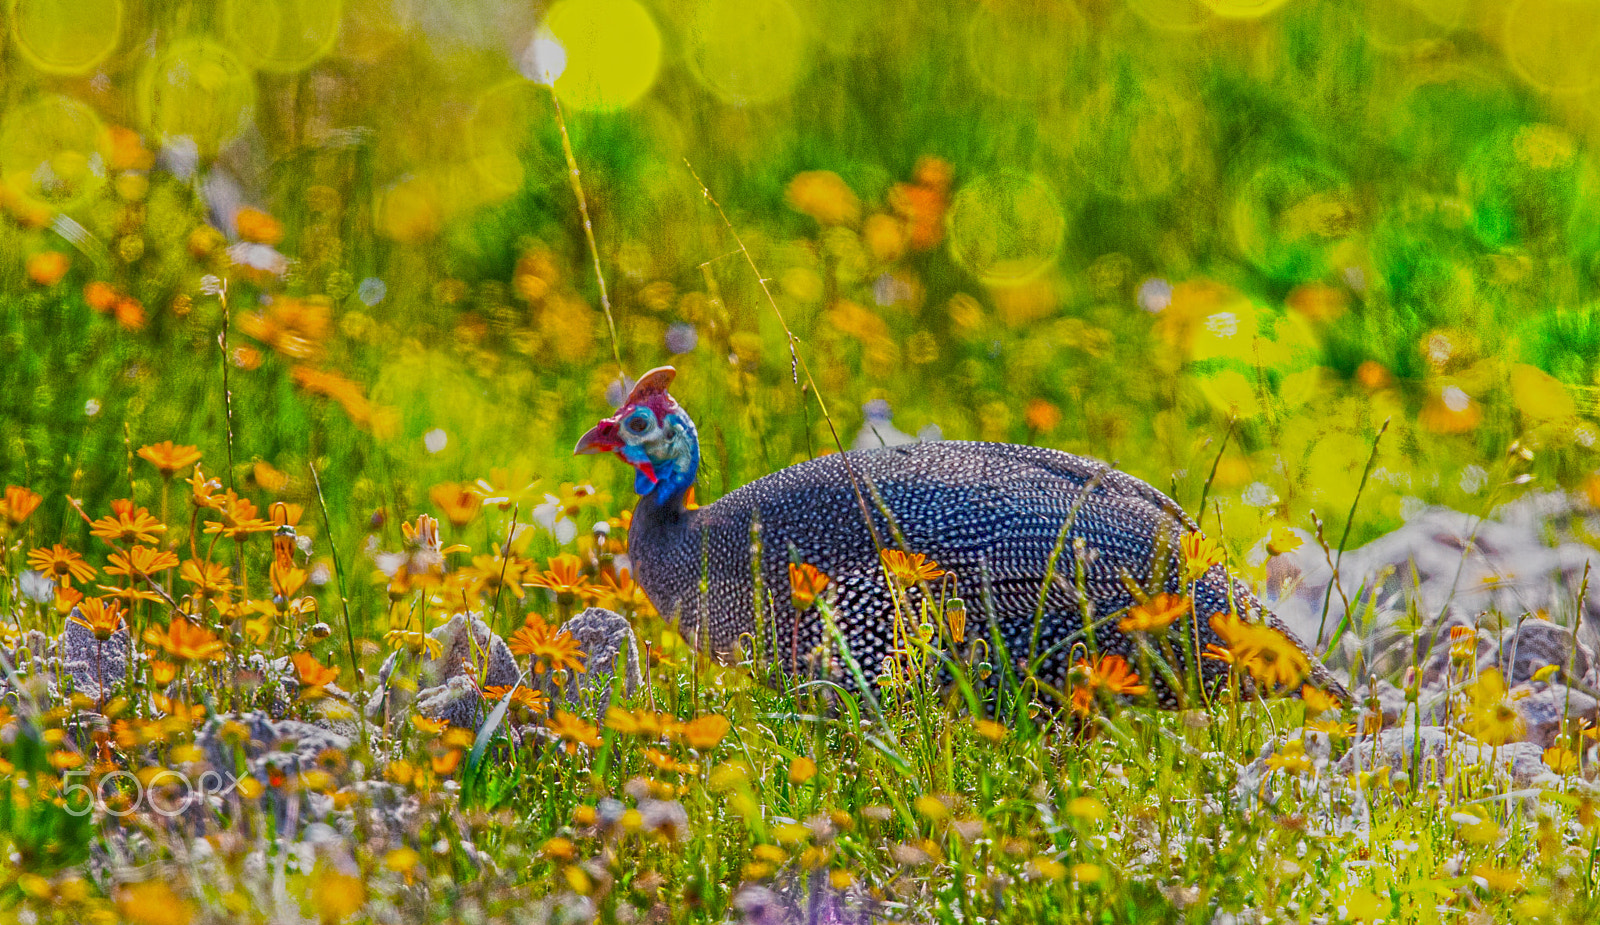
(309, 613)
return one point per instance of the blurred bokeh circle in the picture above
(66, 36)
(600, 54)
(53, 151)
(199, 90)
(1006, 227)
(747, 51)
(1024, 50)
(1554, 44)
(280, 35)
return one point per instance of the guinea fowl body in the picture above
(989, 514)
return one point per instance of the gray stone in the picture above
(603, 636)
(271, 751)
(1530, 646)
(457, 701)
(89, 660)
(469, 648)
(1445, 568)
(1441, 751)
(1551, 709)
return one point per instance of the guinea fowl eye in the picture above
(638, 425)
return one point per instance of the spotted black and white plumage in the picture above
(988, 513)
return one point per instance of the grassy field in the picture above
(299, 321)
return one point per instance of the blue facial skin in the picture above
(674, 474)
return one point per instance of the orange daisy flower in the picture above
(185, 641)
(62, 564)
(19, 504)
(806, 582)
(547, 646)
(127, 524)
(1155, 614)
(168, 457)
(909, 568)
(564, 579)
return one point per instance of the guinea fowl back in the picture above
(990, 514)
(993, 516)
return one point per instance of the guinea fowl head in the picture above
(651, 434)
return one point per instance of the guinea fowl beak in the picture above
(601, 438)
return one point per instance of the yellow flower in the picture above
(46, 268)
(414, 641)
(618, 591)
(1490, 715)
(955, 616)
(1283, 540)
(19, 504)
(202, 489)
(493, 571)
(644, 723)
(702, 732)
(62, 564)
(1561, 759)
(1155, 614)
(505, 488)
(573, 731)
(1200, 554)
(127, 524)
(168, 457)
(336, 896)
(286, 581)
(209, 580)
(1271, 657)
(1317, 700)
(458, 502)
(825, 197)
(806, 582)
(909, 568)
(991, 730)
(152, 902)
(802, 769)
(1291, 757)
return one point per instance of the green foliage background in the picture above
(1405, 185)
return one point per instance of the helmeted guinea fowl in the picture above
(990, 514)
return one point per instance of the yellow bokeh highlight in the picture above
(498, 132)
(281, 36)
(1290, 214)
(1539, 395)
(1135, 141)
(612, 49)
(1403, 25)
(412, 210)
(1243, 9)
(1178, 15)
(198, 90)
(1020, 50)
(748, 52)
(66, 36)
(1231, 393)
(1006, 227)
(53, 151)
(1554, 44)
